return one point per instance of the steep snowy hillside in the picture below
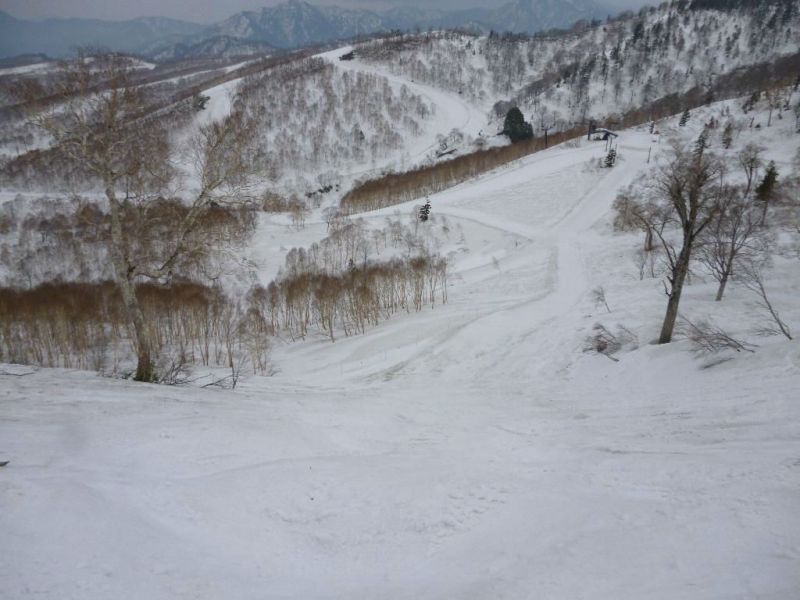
(470, 450)
(605, 70)
(320, 122)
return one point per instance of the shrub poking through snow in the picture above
(708, 338)
(425, 211)
(599, 297)
(751, 277)
(611, 158)
(603, 341)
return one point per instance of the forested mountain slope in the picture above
(602, 70)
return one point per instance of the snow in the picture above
(48, 66)
(452, 111)
(468, 451)
(27, 69)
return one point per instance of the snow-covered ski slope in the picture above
(470, 451)
(452, 111)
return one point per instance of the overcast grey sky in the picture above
(209, 11)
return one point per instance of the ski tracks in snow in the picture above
(521, 329)
(451, 111)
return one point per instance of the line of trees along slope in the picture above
(395, 188)
(599, 68)
(86, 326)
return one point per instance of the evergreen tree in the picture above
(685, 118)
(765, 191)
(702, 143)
(515, 126)
(611, 158)
(727, 135)
(751, 102)
(199, 101)
(425, 211)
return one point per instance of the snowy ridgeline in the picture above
(418, 98)
(596, 71)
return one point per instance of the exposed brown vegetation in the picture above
(334, 286)
(84, 326)
(352, 300)
(395, 188)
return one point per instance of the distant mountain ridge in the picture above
(60, 37)
(291, 24)
(298, 23)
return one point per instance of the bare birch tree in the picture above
(733, 235)
(101, 121)
(749, 159)
(683, 195)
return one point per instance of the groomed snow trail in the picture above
(557, 224)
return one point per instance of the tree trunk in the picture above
(123, 276)
(722, 283)
(679, 273)
(648, 239)
(144, 364)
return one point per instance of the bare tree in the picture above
(708, 338)
(733, 235)
(751, 276)
(749, 159)
(102, 122)
(684, 194)
(774, 101)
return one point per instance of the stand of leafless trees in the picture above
(67, 239)
(337, 285)
(86, 326)
(103, 124)
(674, 208)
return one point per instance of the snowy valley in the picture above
(369, 404)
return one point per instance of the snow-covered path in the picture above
(452, 111)
(550, 200)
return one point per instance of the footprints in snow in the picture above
(460, 511)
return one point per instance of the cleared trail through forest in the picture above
(451, 111)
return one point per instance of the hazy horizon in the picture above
(211, 11)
